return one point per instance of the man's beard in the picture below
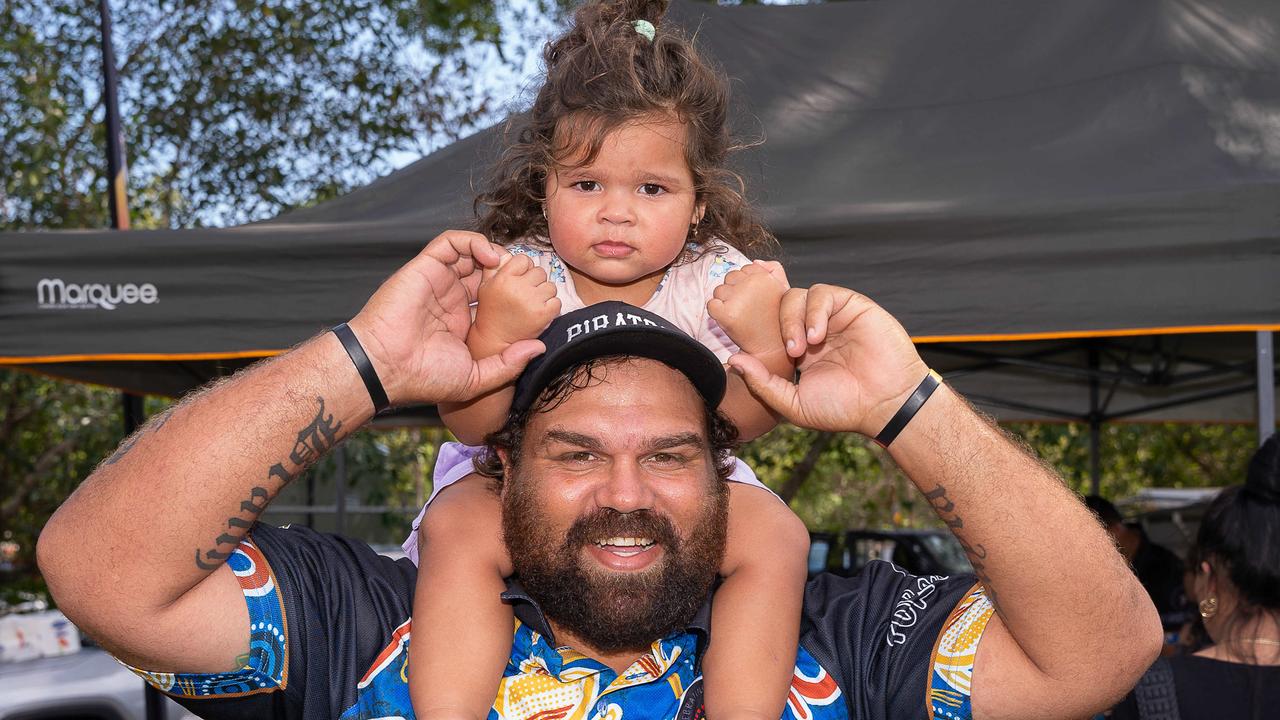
(609, 610)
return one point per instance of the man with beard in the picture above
(610, 470)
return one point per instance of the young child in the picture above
(616, 190)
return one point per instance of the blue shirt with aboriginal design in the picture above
(330, 632)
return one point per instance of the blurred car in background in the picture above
(921, 552)
(86, 685)
(1169, 516)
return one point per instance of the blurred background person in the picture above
(1159, 569)
(1237, 586)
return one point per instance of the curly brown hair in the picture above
(601, 74)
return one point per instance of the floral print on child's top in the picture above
(720, 267)
(555, 268)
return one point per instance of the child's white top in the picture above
(681, 296)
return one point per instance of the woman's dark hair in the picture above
(1240, 537)
(601, 74)
(722, 434)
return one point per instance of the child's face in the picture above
(624, 218)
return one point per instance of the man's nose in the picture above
(626, 488)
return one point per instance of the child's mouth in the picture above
(613, 249)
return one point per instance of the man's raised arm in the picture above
(136, 555)
(1074, 628)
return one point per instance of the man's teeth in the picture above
(642, 542)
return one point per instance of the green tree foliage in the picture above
(1141, 455)
(51, 435)
(853, 483)
(232, 110)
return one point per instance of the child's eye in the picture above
(586, 185)
(652, 189)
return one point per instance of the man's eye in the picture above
(586, 185)
(581, 456)
(666, 459)
(652, 189)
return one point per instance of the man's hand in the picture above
(857, 364)
(516, 302)
(415, 326)
(748, 294)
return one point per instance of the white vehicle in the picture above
(87, 684)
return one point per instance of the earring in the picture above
(1208, 607)
(544, 211)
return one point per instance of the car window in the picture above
(947, 550)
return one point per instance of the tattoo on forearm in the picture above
(216, 557)
(315, 439)
(946, 510)
(312, 442)
(133, 439)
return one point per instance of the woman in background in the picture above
(1237, 583)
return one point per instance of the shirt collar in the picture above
(530, 613)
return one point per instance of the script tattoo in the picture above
(313, 441)
(133, 439)
(946, 510)
(254, 505)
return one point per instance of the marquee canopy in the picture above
(1037, 189)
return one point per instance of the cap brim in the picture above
(679, 352)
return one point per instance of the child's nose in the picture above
(617, 209)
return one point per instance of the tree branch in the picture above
(803, 469)
(25, 486)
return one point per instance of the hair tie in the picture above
(645, 28)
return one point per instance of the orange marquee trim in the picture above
(1078, 334)
(125, 357)
(922, 339)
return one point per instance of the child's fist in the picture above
(747, 305)
(516, 301)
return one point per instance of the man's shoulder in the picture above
(887, 637)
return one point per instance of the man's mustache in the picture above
(605, 523)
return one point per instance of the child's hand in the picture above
(747, 306)
(516, 302)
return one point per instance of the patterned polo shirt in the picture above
(330, 633)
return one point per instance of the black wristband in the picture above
(364, 367)
(909, 409)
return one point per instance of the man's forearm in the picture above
(170, 505)
(1047, 565)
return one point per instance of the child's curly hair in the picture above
(604, 73)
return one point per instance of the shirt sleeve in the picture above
(898, 645)
(326, 614)
(718, 260)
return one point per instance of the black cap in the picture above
(616, 328)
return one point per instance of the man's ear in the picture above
(504, 457)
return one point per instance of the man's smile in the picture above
(625, 554)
